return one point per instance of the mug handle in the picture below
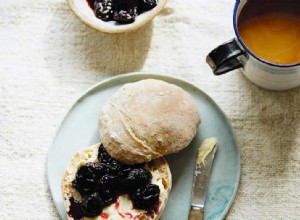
(226, 57)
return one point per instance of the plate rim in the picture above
(143, 75)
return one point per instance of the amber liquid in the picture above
(271, 29)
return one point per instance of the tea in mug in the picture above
(271, 29)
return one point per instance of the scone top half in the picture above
(147, 119)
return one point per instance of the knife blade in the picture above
(206, 154)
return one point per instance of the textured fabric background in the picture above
(48, 58)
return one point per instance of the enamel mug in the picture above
(234, 54)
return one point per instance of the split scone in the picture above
(147, 119)
(96, 186)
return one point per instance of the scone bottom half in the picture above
(99, 187)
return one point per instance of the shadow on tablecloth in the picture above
(73, 48)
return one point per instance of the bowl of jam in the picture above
(116, 16)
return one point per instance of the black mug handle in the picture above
(226, 57)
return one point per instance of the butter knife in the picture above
(206, 154)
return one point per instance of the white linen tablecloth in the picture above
(48, 58)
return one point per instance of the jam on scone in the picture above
(100, 183)
(122, 11)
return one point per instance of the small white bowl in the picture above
(84, 12)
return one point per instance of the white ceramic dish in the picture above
(84, 12)
(79, 129)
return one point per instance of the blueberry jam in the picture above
(100, 183)
(122, 11)
(145, 197)
(92, 205)
(75, 210)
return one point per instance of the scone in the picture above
(147, 119)
(96, 186)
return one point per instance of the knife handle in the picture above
(196, 214)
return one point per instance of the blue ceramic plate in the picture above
(79, 130)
